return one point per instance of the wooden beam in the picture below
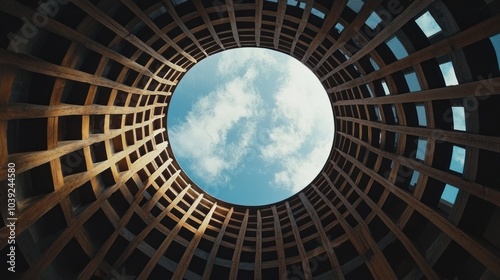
(259, 6)
(213, 253)
(121, 31)
(409, 13)
(258, 248)
(173, 13)
(280, 249)
(350, 30)
(232, 19)
(334, 262)
(166, 243)
(41, 264)
(235, 262)
(280, 16)
(298, 242)
(193, 244)
(302, 25)
(330, 19)
(482, 254)
(208, 23)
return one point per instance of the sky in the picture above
(250, 126)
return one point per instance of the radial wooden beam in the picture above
(233, 273)
(334, 262)
(350, 30)
(259, 5)
(213, 253)
(280, 250)
(279, 22)
(302, 25)
(330, 19)
(208, 23)
(173, 13)
(298, 241)
(189, 253)
(258, 248)
(121, 31)
(232, 20)
(173, 234)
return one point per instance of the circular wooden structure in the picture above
(84, 92)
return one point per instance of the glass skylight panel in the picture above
(422, 120)
(373, 20)
(421, 149)
(292, 2)
(414, 180)
(377, 112)
(449, 194)
(177, 2)
(339, 27)
(386, 88)
(374, 64)
(448, 71)
(428, 24)
(317, 13)
(457, 159)
(412, 81)
(458, 118)
(397, 48)
(355, 5)
(346, 56)
(495, 40)
(369, 90)
(394, 113)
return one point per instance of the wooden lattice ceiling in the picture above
(84, 91)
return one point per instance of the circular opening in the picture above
(250, 126)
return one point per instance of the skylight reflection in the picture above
(449, 75)
(457, 159)
(428, 24)
(458, 118)
(355, 5)
(397, 48)
(373, 20)
(449, 194)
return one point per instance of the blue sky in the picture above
(250, 126)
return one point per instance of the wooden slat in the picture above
(280, 16)
(190, 249)
(259, 6)
(484, 29)
(298, 241)
(207, 273)
(486, 193)
(412, 250)
(121, 31)
(42, 204)
(258, 247)
(480, 89)
(233, 273)
(41, 264)
(321, 232)
(330, 19)
(350, 30)
(166, 243)
(409, 13)
(208, 23)
(489, 143)
(232, 20)
(482, 254)
(302, 25)
(18, 10)
(173, 13)
(280, 249)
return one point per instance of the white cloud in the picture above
(232, 62)
(298, 141)
(428, 24)
(299, 171)
(203, 136)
